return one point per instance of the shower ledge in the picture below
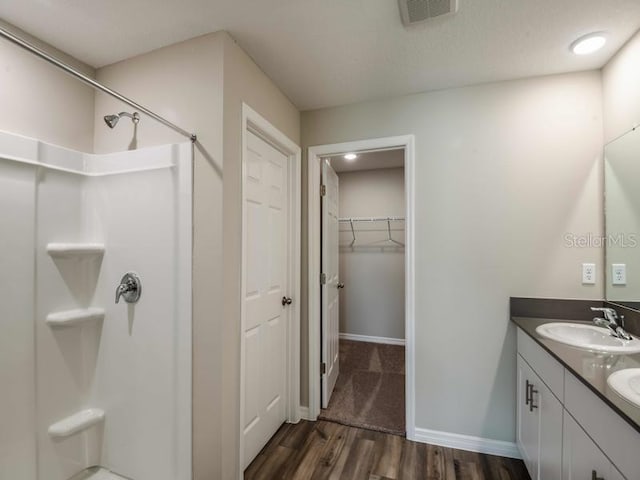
(70, 318)
(68, 250)
(97, 473)
(77, 422)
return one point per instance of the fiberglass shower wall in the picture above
(91, 382)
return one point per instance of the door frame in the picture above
(255, 123)
(407, 142)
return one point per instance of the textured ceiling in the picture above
(333, 52)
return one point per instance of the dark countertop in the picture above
(590, 368)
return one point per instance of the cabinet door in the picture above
(550, 428)
(528, 431)
(581, 457)
(539, 425)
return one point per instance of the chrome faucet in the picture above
(130, 288)
(610, 321)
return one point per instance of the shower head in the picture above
(112, 120)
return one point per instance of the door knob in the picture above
(341, 285)
(286, 301)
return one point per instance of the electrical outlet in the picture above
(588, 273)
(619, 274)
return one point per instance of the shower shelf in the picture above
(97, 473)
(68, 250)
(77, 422)
(71, 318)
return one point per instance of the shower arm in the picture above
(91, 82)
(135, 118)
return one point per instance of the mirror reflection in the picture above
(622, 219)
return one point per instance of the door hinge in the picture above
(323, 368)
(323, 279)
(323, 190)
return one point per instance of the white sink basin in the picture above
(626, 383)
(588, 337)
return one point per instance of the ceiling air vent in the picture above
(416, 11)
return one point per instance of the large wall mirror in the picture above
(622, 219)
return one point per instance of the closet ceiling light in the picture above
(350, 156)
(589, 43)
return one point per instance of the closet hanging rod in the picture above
(90, 81)
(370, 219)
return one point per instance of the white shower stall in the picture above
(85, 381)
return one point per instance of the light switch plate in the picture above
(618, 273)
(588, 273)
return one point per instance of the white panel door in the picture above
(265, 254)
(330, 288)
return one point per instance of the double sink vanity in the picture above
(578, 361)
(578, 393)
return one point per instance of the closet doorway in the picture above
(361, 312)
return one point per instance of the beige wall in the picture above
(372, 303)
(184, 83)
(243, 82)
(621, 90)
(40, 101)
(503, 171)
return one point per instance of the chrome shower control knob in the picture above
(130, 288)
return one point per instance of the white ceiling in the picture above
(369, 161)
(332, 52)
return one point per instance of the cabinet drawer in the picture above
(545, 366)
(615, 437)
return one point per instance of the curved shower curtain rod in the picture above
(91, 82)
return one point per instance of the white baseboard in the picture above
(304, 413)
(367, 338)
(467, 442)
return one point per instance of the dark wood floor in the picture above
(324, 450)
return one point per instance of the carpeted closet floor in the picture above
(369, 392)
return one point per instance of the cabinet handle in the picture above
(529, 391)
(594, 476)
(532, 392)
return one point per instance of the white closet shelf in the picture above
(77, 422)
(71, 318)
(67, 250)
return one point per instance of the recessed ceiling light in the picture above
(350, 156)
(589, 43)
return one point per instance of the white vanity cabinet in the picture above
(539, 425)
(564, 431)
